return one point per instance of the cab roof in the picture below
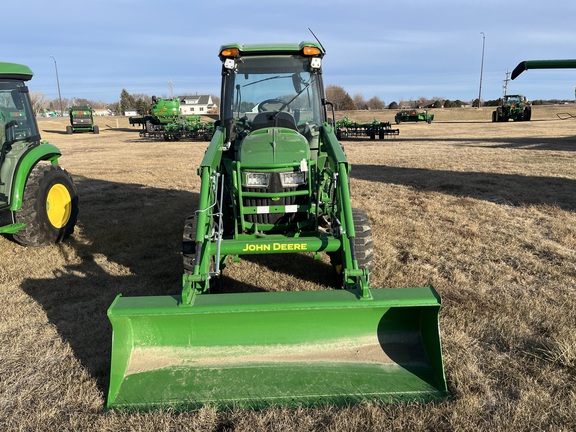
(272, 48)
(15, 71)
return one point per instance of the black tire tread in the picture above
(363, 243)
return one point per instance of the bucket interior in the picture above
(291, 348)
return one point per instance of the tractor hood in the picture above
(274, 145)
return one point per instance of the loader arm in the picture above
(197, 282)
(354, 277)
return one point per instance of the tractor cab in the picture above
(514, 100)
(18, 131)
(16, 116)
(272, 112)
(271, 95)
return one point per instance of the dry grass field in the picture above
(485, 212)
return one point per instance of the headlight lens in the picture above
(257, 180)
(292, 179)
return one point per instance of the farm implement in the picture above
(404, 116)
(188, 128)
(347, 128)
(546, 64)
(162, 112)
(82, 120)
(38, 202)
(274, 180)
(543, 64)
(165, 123)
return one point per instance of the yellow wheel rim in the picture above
(58, 205)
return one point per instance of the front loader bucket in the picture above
(276, 348)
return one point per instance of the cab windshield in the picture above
(513, 99)
(273, 84)
(17, 122)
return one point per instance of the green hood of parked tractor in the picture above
(273, 146)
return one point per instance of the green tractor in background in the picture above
(82, 120)
(514, 107)
(38, 202)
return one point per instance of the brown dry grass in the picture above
(485, 212)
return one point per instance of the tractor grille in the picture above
(274, 218)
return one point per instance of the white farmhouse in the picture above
(196, 105)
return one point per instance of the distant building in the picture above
(130, 113)
(103, 112)
(196, 105)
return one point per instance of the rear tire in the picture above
(49, 207)
(69, 129)
(96, 129)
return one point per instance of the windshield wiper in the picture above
(285, 104)
(267, 79)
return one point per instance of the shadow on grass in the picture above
(498, 188)
(59, 132)
(129, 242)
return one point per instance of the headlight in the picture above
(257, 180)
(292, 179)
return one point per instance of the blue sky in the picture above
(393, 50)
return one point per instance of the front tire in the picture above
(189, 252)
(363, 246)
(363, 243)
(189, 244)
(49, 207)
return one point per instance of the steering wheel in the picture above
(262, 105)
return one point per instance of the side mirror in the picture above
(297, 82)
(230, 128)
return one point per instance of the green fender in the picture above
(44, 151)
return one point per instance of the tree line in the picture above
(337, 95)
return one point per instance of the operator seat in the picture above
(274, 119)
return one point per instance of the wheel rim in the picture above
(58, 205)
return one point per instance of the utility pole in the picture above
(58, 84)
(481, 68)
(505, 86)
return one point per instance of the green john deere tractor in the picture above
(274, 180)
(82, 120)
(513, 107)
(38, 202)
